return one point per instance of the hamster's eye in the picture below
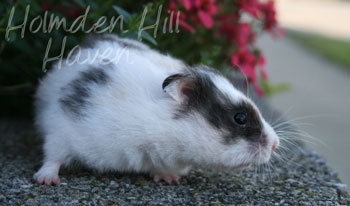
(240, 118)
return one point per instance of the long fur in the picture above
(112, 114)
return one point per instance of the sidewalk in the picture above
(318, 88)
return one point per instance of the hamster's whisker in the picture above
(287, 125)
(268, 171)
(308, 117)
(269, 166)
(288, 138)
(287, 161)
(282, 150)
(286, 150)
(260, 164)
(298, 147)
(278, 156)
(282, 115)
(256, 170)
(246, 85)
(308, 135)
(300, 135)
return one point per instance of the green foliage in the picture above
(271, 89)
(21, 58)
(337, 51)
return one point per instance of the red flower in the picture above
(245, 61)
(204, 9)
(73, 13)
(45, 6)
(205, 18)
(197, 11)
(244, 34)
(261, 64)
(186, 26)
(249, 6)
(186, 4)
(269, 14)
(240, 33)
(182, 17)
(258, 90)
(227, 26)
(236, 33)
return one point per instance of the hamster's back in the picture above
(106, 95)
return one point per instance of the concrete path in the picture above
(330, 18)
(319, 89)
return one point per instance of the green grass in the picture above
(337, 51)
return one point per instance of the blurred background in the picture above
(314, 61)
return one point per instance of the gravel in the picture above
(302, 179)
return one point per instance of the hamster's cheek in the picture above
(238, 154)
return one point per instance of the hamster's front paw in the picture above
(48, 174)
(167, 178)
(43, 177)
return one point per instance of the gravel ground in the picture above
(301, 178)
(304, 179)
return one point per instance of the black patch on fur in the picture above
(91, 40)
(219, 110)
(79, 88)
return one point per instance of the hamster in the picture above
(133, 109)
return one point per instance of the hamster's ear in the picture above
(179, 87)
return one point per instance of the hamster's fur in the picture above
(117, 105)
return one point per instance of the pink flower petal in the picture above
(263, 73)
(205, 19)
(261, 61)
(249, 72)
(45, 6)
(186, 26)
(258, 90)
(212, 8)
(197, 3)
(186, 4)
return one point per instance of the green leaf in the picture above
(148, 37)
(81, 3)
(271, 89)
(126, 15)
(134, 22)
(23, 46)
(130, 35)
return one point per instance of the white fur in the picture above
(130, 126)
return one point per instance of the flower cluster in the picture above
(227, 23)
(197, 11)
(218, 33)
(67, 12)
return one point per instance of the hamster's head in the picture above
(226, 128)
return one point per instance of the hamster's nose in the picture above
(274, 145)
